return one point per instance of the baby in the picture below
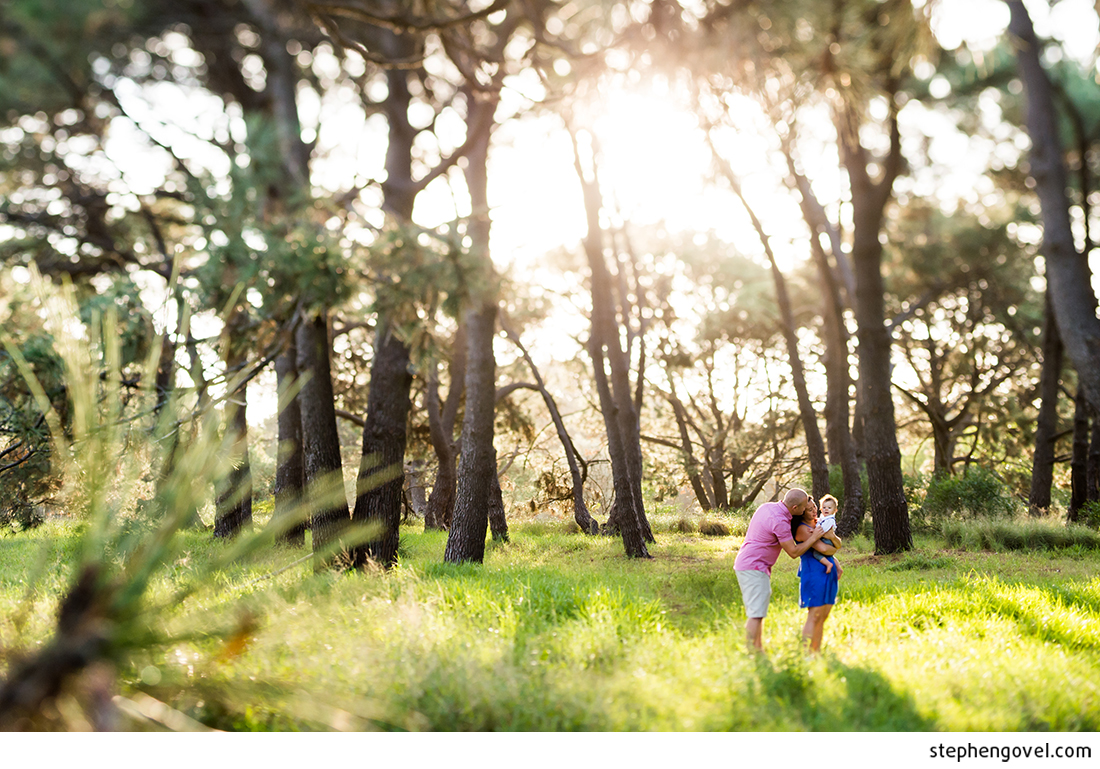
(827, 521)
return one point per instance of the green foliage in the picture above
(974, 493)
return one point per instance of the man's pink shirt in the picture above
(770, 525)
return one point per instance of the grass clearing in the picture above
(558, 631)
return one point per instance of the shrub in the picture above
(977, 493)
(712, 528)
(1089, 515)
(684, 525)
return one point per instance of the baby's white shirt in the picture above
(827, 522)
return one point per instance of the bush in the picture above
(712, 528)
(1089, 515)
(977, 493)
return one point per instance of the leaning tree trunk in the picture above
(890, 510)
(815, 445)
(233, 508)
(380, 487)
(691, 464)
(838, 434)
(466, 539)
(583, 518)
(1046, 426)
(323, 469)
(1068, 275)
(289, 473)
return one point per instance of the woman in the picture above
(817, 587)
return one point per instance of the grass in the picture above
(557, 631)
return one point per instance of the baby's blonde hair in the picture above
(829, 496)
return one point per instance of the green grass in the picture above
(558, 631)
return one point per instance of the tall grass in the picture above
(1028, 534)
(557, 631)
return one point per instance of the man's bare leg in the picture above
(754, 634)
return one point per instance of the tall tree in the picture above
(1067, 270)
(478, 486)
(614, 389)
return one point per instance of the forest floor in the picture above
(559, 631)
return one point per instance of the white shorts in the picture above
(756, 591)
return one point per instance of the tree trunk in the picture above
(289, 475)
(378, 495)
(1093, 493)
(234, 499)
(815, 446)
(323, 469)
(478, 466)
(498, 524)
(380, 486)
(416, 500)
(616, 402)
(943, 444)
(890, 510)
(1079, 462)
(1068, 275)
(466, 540)
(838, 435)
(691, 465)
(233, 508)
(1046, 425)
(441, 427)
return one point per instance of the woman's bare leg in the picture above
(814, 629)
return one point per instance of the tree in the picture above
(615, 393)
(1067, 269)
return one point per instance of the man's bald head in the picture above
(795, 500)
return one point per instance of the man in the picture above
(769, 533)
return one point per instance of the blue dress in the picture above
(815, 587)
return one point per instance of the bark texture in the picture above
(289, 472)
(323, 468)
(441, 428)
(466, 539)
(233, 508)
(1046, 425)
(1079, 461)
(380, 486)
